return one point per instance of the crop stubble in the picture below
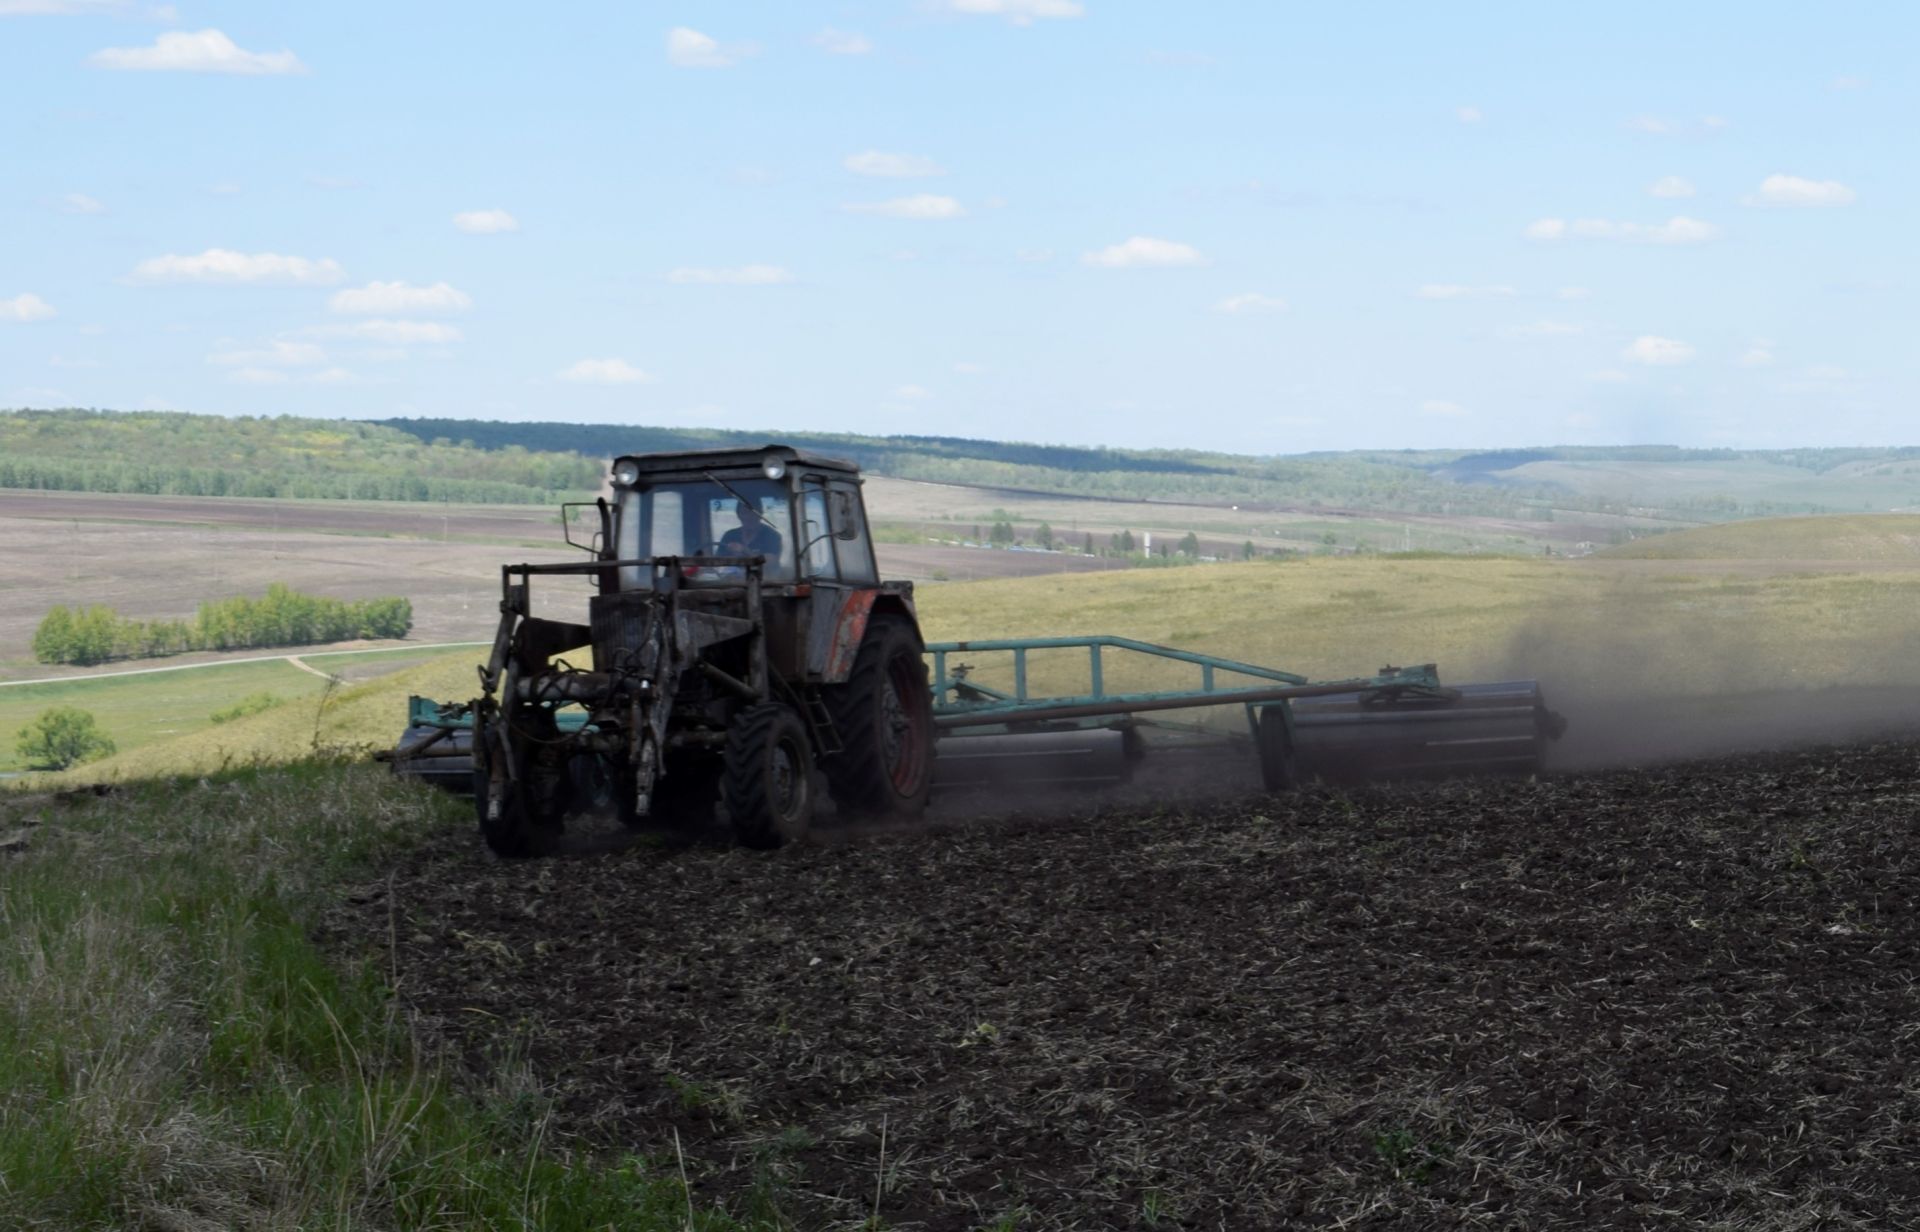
(1628, 999)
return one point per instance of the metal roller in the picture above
(1499, 728)
(442, 756)
(1073, 758)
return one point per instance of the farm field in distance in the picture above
(1655, 658)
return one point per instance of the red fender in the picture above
(848, 632)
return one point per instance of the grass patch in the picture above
(355, 718)
(175, 1051)
(136, 711)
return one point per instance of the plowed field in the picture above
(1636, 999)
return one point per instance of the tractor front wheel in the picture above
(884, 714)
(767, 782)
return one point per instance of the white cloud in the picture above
(688, 48)
(222, 265)
(1676, 230)
(80, 203)
(26, 306)
(924, 206)
(1033, 256)
(1142, 250)
(1457, 290)
(331, 376)
(732, 276)
(1759, 355)
(207, 51)
(280, 353)
(1847, 82)
(1795, 190)
(1469, 115)
(485, 222)
(1547, 329)
(1670, 186)
(1573, 293)
(393, 333)
(892, 166)
(1019, 12)
(1442, 407)
(257, 376)
(604, 372)
(1251, 301)
(967, 367)
(1656, 352)
(842, 42)
(400, 299)
(913, 392)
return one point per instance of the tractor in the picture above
(739, 644)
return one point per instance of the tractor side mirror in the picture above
(842, 514)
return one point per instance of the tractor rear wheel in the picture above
(519, 811)
(767, 782)
(884, 715)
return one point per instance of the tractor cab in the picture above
(800, 515)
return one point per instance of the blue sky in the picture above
(1259, 227)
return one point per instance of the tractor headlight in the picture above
(626, 472)
(773, 468)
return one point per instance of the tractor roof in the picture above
(695, 461)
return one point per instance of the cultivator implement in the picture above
(1399, 722)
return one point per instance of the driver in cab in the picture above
(753, 537)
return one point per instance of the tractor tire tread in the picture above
(858, 778)
(745, 788)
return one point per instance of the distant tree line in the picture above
(283, 617)
(878, 453)
(172, 454)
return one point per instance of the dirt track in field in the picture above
(1636, 999)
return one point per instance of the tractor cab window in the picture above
(816, 534)
(754, 518)
(856, 553)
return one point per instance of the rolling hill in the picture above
(1893, 537)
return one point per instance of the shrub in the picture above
(61, 737)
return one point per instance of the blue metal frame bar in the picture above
(959, 702)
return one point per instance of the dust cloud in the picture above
(1643, 680)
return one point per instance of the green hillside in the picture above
(474, 460)
(1859, 537)
(171, 454)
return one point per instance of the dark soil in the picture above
(1638, 999)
